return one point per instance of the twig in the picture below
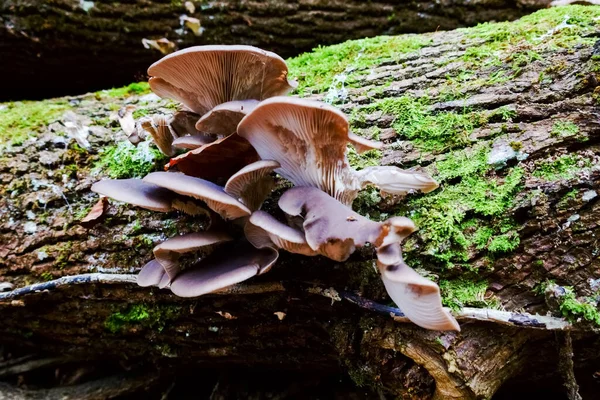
(523, 320)
(565, 365)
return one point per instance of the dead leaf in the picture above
(95, 214)
(226, 315)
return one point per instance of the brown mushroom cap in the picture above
(168, 252)
(417, 297)
(309, 139)
(252, 184)
(217, 160)
(151, 274)
(136, 192)
(224, 118)
(192, 142)
(223, 269)
(203, 77)
(213, 195)
(263, 230)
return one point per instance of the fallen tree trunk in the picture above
(64, 47)
(505, 116)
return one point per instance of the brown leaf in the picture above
(95, 214)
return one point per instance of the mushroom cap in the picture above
(306, 137)
(168, 252)
(137, 192)
(362, 144)
(192, 142)
(203, 77)
(262, 230)
(417, 297)
(159, 127)
(184, 123)
(219, 159)
(213, 195)
(253, 183)
(224, 118)
(394, 180)
(223, 269)
(151, 274)
(331, 228)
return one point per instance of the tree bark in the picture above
(334, 315)
(60, 47)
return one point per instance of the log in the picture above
(62, 47)
(505, 116)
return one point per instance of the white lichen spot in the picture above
(42, 255)
(30, 227)
(589, 195)
(189, 6)
(501, 153)
(86, 5)
(30, 214)
(213, 328)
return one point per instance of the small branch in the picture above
(466, 314)
(31, 365)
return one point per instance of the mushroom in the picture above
(125, 116)
(202, 77)
(184, 123)
(136, 192)
(262, 230)
(418, 297)
(252, 184)
(223, 268)
(159, 126)
(224, 118)
(151, 274)
(168, 252)
(217, 160)
(213, 195)
(147, 195)
(333, 229)
(309, 140)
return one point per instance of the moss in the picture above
(574, 310)
(140, 112)
(564, 129)
(154, 317)
(367, 159)
(429, 131)
(316, 71)
(138, 88)
(459, 293)
(125, 160)
(563, 167)
(24, 119)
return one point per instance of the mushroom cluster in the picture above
(237, 129)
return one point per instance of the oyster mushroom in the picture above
(213, 195)
(223, 268)
(202, 77)
(252, 184)
(309, 140)
(159, 127)
(224, 118)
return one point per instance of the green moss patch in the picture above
(154, 317)
(136, 88)
(316, 71)
(24, 119)
(563, 167)
(459, 293)
(125, 160)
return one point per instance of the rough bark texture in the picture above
(59, 47)
(526, 86)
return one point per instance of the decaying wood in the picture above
(312, 314)
(70, 46)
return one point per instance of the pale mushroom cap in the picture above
(213, 195)
(394, 180)
(306, 137)
(136, 192)
(203, 77)
(331, 228)
(418, 298)
(192, 142)
(151, 274)
(263, 230)
(159, 127)
(224, 118)
(222, 270)
(253, 183)
(168, 252)
(362, 144)
(219, 159)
